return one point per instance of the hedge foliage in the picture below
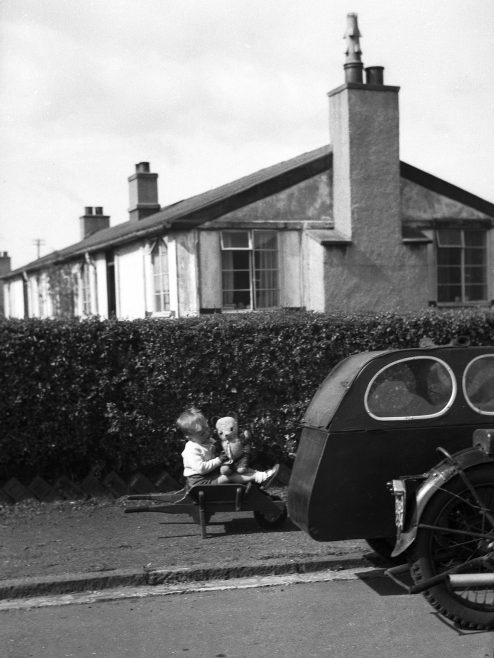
(79, 393)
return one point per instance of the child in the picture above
(200, 465)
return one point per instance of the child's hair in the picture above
(189, 421)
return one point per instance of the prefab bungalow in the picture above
(345, 227)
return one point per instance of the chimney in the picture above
(4, 263)
(93, 220)
(4, 269)
(364, 128)
(143, 193)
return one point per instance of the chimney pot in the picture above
(142, 168)
(98, 210)
(353, 64)
(88, 210)
(374, 75)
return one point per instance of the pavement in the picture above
(67, 547)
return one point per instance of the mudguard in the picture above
(420, 489)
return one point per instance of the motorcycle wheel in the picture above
(454, 514)
(271, 520)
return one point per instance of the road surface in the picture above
(358, 614)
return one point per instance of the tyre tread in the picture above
(437, 605)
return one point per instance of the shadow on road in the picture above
(250, 526)
(231, 527)
(381, 584)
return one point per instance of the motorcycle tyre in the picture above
(421, 560)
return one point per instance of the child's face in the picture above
(201, 432)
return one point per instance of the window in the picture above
(478, 384)
(161, 286)
(461, 265)
(418, 387)
(86, 289)
(250, 273)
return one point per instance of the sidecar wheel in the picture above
(271, 520)
(455, 516)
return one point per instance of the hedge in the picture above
(80, 393)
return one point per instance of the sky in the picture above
(210, 90)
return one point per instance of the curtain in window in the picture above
(236, 279)
(266, 269)
(159, 260)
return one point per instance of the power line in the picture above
(39, 243)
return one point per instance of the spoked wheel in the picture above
(271, 520)
(460, 531)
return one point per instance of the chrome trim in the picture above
(463, 384)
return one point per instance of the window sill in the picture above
(483, 304)
(270, 309)
(160, 314)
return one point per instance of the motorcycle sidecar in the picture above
(378, 415)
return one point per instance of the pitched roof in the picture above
(189, 213)
(198, 209)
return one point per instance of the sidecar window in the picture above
(417, 387)
(478, 384)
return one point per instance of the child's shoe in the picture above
(270, 476)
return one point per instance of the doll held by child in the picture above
(236, 448)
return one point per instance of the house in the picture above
(346, 227)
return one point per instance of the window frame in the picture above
(249, 237)
(467, 398)
(463, 266)
(254, 288)
(444, 410)
(163, 292)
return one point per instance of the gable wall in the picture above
(420, 203)
(309, 201)
(305, 204)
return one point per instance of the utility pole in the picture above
(39, 243)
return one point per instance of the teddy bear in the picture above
(235, 447)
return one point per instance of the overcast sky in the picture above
(210, 90)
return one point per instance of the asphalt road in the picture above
(362, 615)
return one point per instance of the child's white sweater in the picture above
(198, 459)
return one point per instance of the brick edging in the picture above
(72, 583)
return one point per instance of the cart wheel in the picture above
(461, 532)
(271, 520)
(384, 546)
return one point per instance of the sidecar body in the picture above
(378, 415)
